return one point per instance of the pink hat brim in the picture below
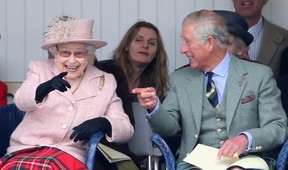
(96, 43)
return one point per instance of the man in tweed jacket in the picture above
(250, 118)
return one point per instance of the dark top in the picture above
(284, 63)
(282, 85)
(123, 93)
(283, 79)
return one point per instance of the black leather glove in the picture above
(56, 83)
(86, 129)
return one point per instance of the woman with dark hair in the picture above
(142, 57)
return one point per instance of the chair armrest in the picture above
(165, 150)
(92, 148)
(282, 159)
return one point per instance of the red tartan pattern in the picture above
(40, 158)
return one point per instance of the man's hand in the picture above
(146, 97)
(56, 83)
(233, 147)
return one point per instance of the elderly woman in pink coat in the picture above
(66, 100)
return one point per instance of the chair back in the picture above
(92, 148)
(10, 117)
(165, 150)
(141, 144)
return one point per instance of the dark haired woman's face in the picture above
(143, 47)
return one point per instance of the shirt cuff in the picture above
(250, 140)
(150, 114)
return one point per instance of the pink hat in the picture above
(67, 29)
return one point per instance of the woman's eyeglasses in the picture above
(68, 53)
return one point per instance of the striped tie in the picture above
(211, 92)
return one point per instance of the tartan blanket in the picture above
(40, 158)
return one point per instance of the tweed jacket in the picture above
(274, 41)
(253, 105)
(50, 123)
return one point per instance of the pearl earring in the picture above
(239, 53)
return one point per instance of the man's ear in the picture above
(210, 43)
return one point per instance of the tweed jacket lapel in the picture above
(195, 91)
(269, 43)
(234, 87)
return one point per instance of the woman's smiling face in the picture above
(72, 58)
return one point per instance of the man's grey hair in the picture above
(208, 23)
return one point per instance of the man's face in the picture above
(249, 8)
(196, 52)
